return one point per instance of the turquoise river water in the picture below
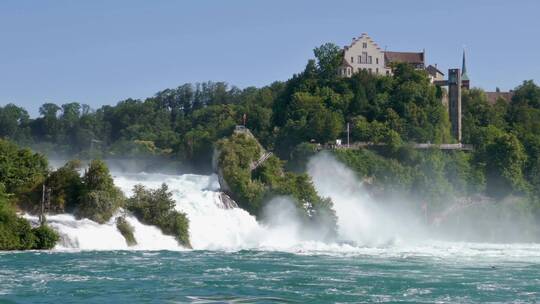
(485, 273)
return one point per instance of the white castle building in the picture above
(364, 54)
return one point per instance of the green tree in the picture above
(329, 57)
(14, 122)
(100, 199)
(20, 169)
(156, 207)
(504, 166)
(66, 187)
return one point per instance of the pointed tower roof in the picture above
(464, 75)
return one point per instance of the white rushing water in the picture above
(364, 228)
(211, 224)
(85, 234)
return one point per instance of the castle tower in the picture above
(465, 82)
(454, 102)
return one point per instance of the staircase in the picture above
(260, 161)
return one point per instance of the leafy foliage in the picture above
(251, 189)
(67, 186)
(100, 199)
(126, 230)
(17, 234)
(46, 237)
(156, 207)
(20, 169)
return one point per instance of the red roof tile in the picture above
(407, 57)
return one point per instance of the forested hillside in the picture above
(184, 122)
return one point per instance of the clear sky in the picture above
(102, 51)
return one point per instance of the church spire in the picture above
(464, 75)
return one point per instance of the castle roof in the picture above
(432, 70)
(406, 57)
(464, 75)
(363, 35)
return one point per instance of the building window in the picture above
(360, 59)
(364, 45)
(377, 60)
(352, 59)
(369, 60)
(370, 70)
(377, 71)
(364, 57)
(387, 73)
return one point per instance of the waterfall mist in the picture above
(361, 219)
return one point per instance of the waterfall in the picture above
(213, 224)
(85, 234)
(216, 223)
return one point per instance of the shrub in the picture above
(100, 199)
(67, 186)
(99, 206)
(126, 230)
(46, 237)
(20, 168)
(156, 207)
(17, 234)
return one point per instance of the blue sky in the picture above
(99, 52)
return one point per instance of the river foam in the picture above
(363, 228)
(85, 234)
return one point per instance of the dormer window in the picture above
(364, 45)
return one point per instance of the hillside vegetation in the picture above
(251, 189)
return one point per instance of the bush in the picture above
(177, 224)
(17, 234)
(126, 230)
(20, 169)
(156, 207)
(67, 186)
(100, 199)
(99, 206)
(46, 237)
